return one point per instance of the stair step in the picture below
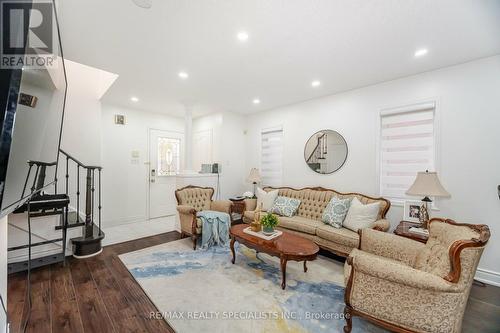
(71, 225)
(73, 221)
(35, 262)
(84, 247)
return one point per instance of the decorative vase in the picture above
(268, 230)
(255, 226)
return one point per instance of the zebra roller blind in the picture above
(407, 146)
(272, 157)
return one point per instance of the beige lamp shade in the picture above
(427, 184)
(254, 176)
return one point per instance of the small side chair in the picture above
(193, 199)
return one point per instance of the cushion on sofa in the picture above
(249, 214)
(336, 211)
(361, 216)
(265, 199)
(314, 201)
(298, 223)
(342, 235)
(284, 206)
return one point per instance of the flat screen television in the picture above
(32, 99)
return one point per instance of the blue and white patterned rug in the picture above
(201, 291)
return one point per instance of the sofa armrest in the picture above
(187, 217)
(390, 246)
(381, 225)
(223, 206)
(185, 209)
(397, 272)
(250, 204)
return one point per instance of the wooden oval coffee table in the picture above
(286, 247)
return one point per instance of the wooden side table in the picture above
(237, 210)
(403, 229)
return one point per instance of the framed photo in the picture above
(119, 119)
(412, 211)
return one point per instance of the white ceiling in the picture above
(344, 44)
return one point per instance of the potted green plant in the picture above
(269, 221)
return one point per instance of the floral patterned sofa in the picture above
(307, 222)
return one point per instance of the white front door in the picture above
(165, 148)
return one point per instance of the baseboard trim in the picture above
(488, 277)
(123, 220)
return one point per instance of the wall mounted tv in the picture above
(32, 98)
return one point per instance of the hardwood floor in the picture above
(91, 295)
(99, 295)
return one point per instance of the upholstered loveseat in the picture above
(407, 286)
(192, 199)
(307, 222)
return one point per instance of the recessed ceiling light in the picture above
(134, 99)
(421, 52)
(242, 36)
(256, 101)
(315, 83)
(183, 75)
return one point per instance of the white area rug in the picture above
(201, 291)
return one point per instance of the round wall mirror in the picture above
(325, 151)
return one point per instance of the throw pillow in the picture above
(361, 216)
(266, 199)
(336, 211)
(285, 206)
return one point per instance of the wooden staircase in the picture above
(90, 243)
(43, 204)
(319, 153)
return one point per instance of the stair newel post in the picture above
(93, 191)
(33, 186)
(88, 205)
(67, 175)
(77, 193)
(100, 206)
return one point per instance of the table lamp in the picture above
(254, 178)
(427, 184)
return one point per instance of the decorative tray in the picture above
(260, 234)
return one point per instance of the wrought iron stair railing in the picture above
(89, 243)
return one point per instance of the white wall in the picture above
(82, 119)
(228, 149)
(468, 98)
(125, 184)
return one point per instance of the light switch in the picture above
(136, 154)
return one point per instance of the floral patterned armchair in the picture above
(192, 199)
(407, 286)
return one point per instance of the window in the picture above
(168, 156)
(272, 157)
(407, 146)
